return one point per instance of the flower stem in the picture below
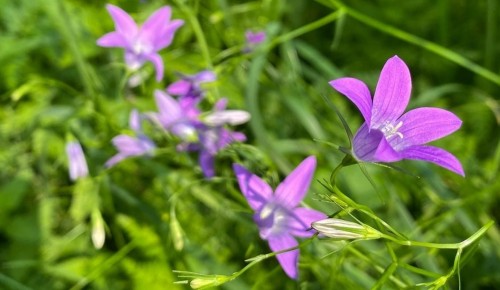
(460, 245)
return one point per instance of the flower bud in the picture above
(345, 230)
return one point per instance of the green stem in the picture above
(460, 245)
(306, 28)
(418, 41)
(198, 32)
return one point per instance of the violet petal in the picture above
(113, 39)
(207, 161)
(165, 38)
(256, 191)
(356, 91)
(423, 125)
(392, 94)
(180, 87)
(288, 260)
(292, 190)
(435, 155)
(366, 142)
(301, 219)
(157, 61)
(124, 24)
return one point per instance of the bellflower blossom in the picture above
(277, 214)
(387, 134)
(76, 161)
(142, 43)
(129, 146)
(213, 137)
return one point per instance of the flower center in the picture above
(272, 219)
(139, 47)
(390, 130)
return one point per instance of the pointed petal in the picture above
(159, 18)
(256, 191)
(207, 161)
(292, 190)
(289, 261)
(165, 38)
(238, 137)
(170, 110)
(204, 76)
(423, 125)
(135, 121)
(129, 146)
(356, 91)
(112, 39)
(181, 88)
(435, 155)
(385, 152)
(301, 220)
(221, 104)
(158, 64)
(114, 160)
(365, 143)
(124, 24)
(392, 94)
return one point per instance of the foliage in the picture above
(160, 214)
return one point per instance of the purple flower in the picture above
(76, 159)
(128, 146)
(253, 39)
(388, 135)
(213, 137)
(189, 85)
(141, 44)
(180, 121)
(277, 214)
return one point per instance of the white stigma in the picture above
(390, 130)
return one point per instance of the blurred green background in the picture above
(160, 214)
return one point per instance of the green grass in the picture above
(161, 215)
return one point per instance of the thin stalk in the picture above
(460, 245)
(306, 28)
(198, 32)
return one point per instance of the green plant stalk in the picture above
(198, 32)
(418, 41)
(460, 245)
(306, 28)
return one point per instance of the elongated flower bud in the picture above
(345, 230)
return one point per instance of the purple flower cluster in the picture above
(201, 132)
(387, 134)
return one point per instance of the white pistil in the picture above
(390, 130)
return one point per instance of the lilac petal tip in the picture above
(292, 190)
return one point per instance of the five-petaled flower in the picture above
(129, 146)
(277, 215)
(76, 161)
(388, 135)
(142, 43)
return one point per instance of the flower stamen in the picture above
(390, 130)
